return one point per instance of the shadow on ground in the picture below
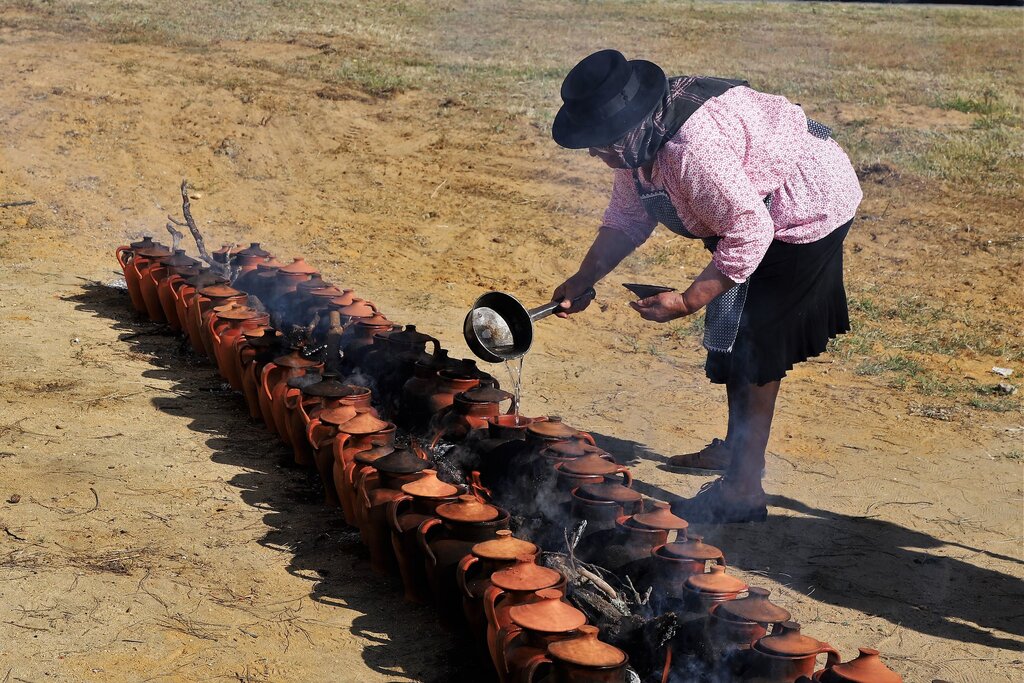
(407, 640)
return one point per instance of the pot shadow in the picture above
(406, 641)
(863, 563)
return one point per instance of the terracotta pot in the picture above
(474, 577)
(784, 656)
(562, 451)
(187, 302)
(392, 360)
(361, 433)
(448, 538)
(178, 266)
(305, 402)
(866, 668)
(207, 300)
(601, 504)
(361, 335)
(147, 264)
(274, 386)
(448, 384)
(469, 412)
(536, 626)
(734, 625)
(224, 330)
(515, 585)
(584, 659)
(242, 355)
(417, 504)
(674, 563)
(378, 486)
(589, 469)
(125, 254)
(248, 259)
(701, 592)
(259, 283)
(413, 405)
(255, 349)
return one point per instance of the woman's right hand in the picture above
(571, 289)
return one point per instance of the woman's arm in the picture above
(609, 248)
(671, 305)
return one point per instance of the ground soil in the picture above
(149, 531)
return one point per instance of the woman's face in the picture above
(607, 156)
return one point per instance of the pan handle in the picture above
(552, 306)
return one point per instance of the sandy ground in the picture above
(148, 530)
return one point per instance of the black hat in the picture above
(604, 97)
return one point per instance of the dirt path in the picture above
(156, 536)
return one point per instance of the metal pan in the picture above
(499, 328)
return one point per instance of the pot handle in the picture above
(339, 447)
(289, 396)
(534, 663)
(491, 596)
(422, 533)
(482, 493)
(361, 485)
(393, 508)
(586, 436)
(833, 656)
(211, 328)
(627, 476)
(310, 427)
(505, 636)
(460, 573)
(117, 254)
(264, 379)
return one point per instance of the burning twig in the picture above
(598, 582)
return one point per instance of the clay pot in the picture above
(392, 360)
(535, 626)
(562, 451)
(208, 299)
(734, 625)
(674, 563)
(701, 592)
(224, 329)
(469, 412)
(449, 537)
(551, 430)
(866, 668)
(149, 265)
(125, 254)
(259, 283)
(601, 504)
(305, 403)
(784, 656)
(405, 514)
(413, 408)
(588, 469)
(448, 384)
(377, 487)
(274, 385)
(248, 259)
(584, 658)
(361, 335)
(187, 302)
(254, 349)
(474, 576)
(178, 266)
(361, 433)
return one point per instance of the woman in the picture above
(771, 195)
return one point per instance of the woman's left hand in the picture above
(661, 307)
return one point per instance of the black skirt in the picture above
(796, 302)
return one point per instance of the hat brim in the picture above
(652, 87)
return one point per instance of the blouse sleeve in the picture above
(626, 212)
(722, 197)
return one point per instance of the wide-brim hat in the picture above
(604, 96)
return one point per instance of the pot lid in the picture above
(220, 292)
(268, 265)
(694, 548)
(504, 548)
(610, 492)
(254, 333)
(303, 381)
(255, 251)
(661, 517)
(224, 250)
(716, 582)
(206, 278)
(179, 260)
(373, 455)
(327, 292)
(239, 313)
(548, 615)
(525, 575)
(402, 461)
(266, 341)
(298, 266)
(375, 320)
(866, 668)
(588, 464)
(467, 509)
(756, 607)
(486, 395)
(337, 416)
(429, 486)
(356, 308)
(145, 243)
(573, 448)
(364, 423)
(331, 387)
(346, 297)
(552, 428)
(787, 641)
(157, 250)
(586, 650)
(410, 336)
(295, 360)
(315, 281)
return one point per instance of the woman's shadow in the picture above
(406, 640)
(866, 564)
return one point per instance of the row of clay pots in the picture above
(449, 547)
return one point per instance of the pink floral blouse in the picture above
(731, 153)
